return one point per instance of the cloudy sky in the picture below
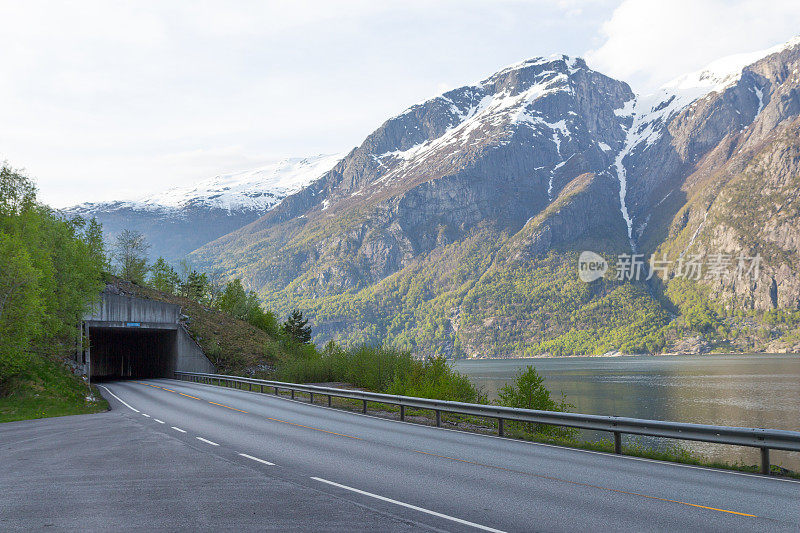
(107, 100)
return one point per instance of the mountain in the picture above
(182, 219)
(455, 227)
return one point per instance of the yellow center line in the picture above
(586, 484)
(315, 429)
(227, 407)
(189, 396)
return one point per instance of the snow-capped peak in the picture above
(724, 72)
(651, 113)
(717, 76)
(259, 189)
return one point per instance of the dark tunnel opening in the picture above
(124, 353)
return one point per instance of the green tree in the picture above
(163, 277)
(93, 236)
(234, 300)
(130, 255)
(196, 286)
(49, 275)
(529, 392)
(264, 320)
(244, 305)
(296, 328)
(20, 306)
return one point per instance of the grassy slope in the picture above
(233, 345)
(47, 388)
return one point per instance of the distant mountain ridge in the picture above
(455, 227)
(182, 219)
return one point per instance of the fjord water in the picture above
(753, 390)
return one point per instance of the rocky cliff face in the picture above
(738, 192)
(495, 153)
(455, 226)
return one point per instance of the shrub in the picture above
(528, 392)
(382, 369)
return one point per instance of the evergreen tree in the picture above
(196, 286)
(296, 328)
(163, 277)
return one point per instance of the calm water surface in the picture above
(755, 390)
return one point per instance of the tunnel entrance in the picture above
(126, 337)
(127, 353)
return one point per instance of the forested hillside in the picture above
(50, 272)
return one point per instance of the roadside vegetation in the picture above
(47, 388)
(50, 272)
(52, 269)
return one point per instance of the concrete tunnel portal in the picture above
(127, 353)
(136, 338)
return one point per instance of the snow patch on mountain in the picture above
(652, 113)
(505, 107)
(259, 189)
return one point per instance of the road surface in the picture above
(175, 455)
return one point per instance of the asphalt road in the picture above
(177, 455)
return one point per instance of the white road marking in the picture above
(409, 506)
(178, 429)
(257, 459)
(567, 448)
(157, 420)
(207, 441)
(144, 414)
(526, 443)
(119, 399)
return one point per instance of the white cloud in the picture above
(649, 42)
(95, 95)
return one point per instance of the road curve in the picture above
(330, 469)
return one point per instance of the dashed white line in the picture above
(207, 441)
(145, 414)
(157, 420)
(409, 506)
(257, 459)
(118, 398)
(177, 429)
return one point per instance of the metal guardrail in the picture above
(764, 439)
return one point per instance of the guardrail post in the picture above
(763, 439)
